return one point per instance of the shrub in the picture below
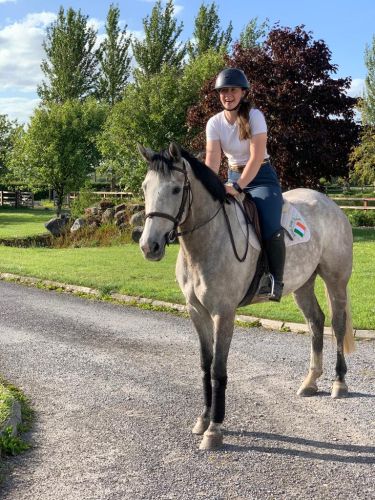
(362, 218)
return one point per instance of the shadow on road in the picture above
(353, 453)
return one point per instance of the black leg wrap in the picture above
(218, 400)
(341, 368)
(207, 390)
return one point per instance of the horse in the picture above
(185, 198)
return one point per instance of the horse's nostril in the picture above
(155, 247)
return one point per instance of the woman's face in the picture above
(230, 97)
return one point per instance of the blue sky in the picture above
(345, 25)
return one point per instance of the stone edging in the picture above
(14, 419)
(133, 300)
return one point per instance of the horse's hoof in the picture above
(211, 441)
(339, 390)
(201, 426)
(307, 390)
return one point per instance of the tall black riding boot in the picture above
(275, 250)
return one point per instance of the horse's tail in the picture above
(349, 342)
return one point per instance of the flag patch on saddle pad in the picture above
(299, 228)
(296, 228)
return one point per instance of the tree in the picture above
(158, 117)
(114, 59)
(363, 158)
(71, 64)
(58, 149)
(207, 33)
(8, 132)
(368, 102)
(252, 32)
(310, 117)
(160, 45)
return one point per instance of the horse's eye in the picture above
(176, 190)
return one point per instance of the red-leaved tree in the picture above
(311, 127)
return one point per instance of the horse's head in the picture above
(165, 189)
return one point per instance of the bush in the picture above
(361, 218)
(85, 199)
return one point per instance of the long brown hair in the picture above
(243, 119)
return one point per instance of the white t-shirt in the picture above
(238, 152)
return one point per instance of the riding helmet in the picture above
(231, 77)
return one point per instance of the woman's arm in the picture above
(257, 152)
(213, 155)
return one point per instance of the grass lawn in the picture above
(23, 222)
(123, 269)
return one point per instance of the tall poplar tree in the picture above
(207, 33)
(253, 32)
(70, 66)
(368, 102)
(114, 59)
(161, 43)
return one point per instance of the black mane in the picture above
(162, 162)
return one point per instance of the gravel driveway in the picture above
(116, 391)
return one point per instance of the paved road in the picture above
(116, 391)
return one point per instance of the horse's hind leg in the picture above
(306, 300)
(340, 315)
(204, 326)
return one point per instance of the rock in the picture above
(91, 211)
(78, 223)
(137, 219)
(105, 204)
(137, 233)
(136, 207)
(93, 221)
(121, 218)
(108, 215)
(57, 225)
(120, 208)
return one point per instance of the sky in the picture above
(346, 26)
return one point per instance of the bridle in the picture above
(187, 195)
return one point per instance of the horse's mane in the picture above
(162, 162)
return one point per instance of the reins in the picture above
(187, 194)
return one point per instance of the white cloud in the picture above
(178, 9)
(8, 1)
(21, 52)
(20, 108)
(357, 88)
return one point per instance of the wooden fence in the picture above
(103, 194)
(16, 199)
(366, 203)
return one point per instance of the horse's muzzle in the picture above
(152, 250)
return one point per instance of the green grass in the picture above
(27, 222)
(123, 269)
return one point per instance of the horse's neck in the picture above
(203, 208)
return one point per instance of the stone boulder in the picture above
(105, 204)
(120, 208)
(58, 225)
(137, 233)
(78, 224)
(134, 208)
(91, 211)
(137, 219)
(108, 215)
(120, 218)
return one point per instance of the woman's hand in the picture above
(230, 190)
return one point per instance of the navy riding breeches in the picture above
(265, 190)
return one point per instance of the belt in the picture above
(239, 168)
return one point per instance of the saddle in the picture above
(262, 271)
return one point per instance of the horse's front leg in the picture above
(223, 332)
(204, 325)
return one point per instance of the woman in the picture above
(240, 131)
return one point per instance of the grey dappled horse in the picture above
(183, 196)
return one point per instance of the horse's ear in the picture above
(175, 151)
(147, 153)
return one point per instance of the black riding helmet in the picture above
(231, 77)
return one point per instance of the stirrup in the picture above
(269, 288)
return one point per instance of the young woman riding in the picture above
(240, 131)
